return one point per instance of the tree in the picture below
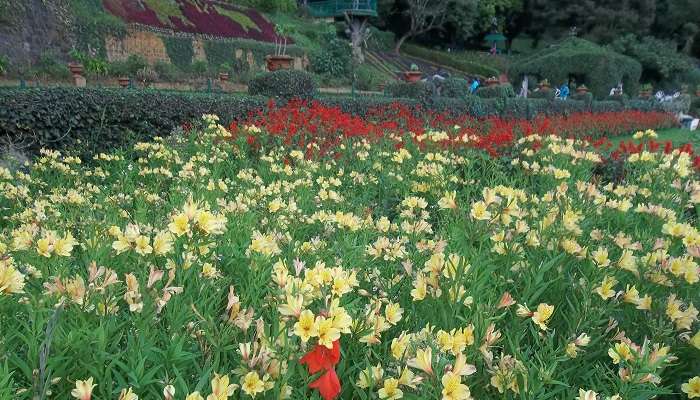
(659, 58)
(424, 15)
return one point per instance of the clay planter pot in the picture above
(76, 68)
(124, 82)
(645, 94)
(697, 93)
(412, 76)
(275, 63)
(223, 76)
(581, 90)
(545, 88)
(492, 82)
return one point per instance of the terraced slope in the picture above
(201, 16)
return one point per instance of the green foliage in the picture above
(333, 58)
(599, 68)
(409, 90)
(381, 40)
(444, 58)
(128, 67)
(284, 84)
(50, 66)
(92, 24)
(367, 77)
(168, 72)
(219, 52)
(501, 91)
(4, 64)
(271, 6)
(180, 51)
(659, 59)
(454, 87)
(199, 67)
(106, 118)
(587, 97)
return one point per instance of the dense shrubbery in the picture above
(284, 84)
(443, 58)
(455, 88)
(408, 90)
(333, 57)
(60, 117)
(381, 40)
(501, 91)
(599, 68)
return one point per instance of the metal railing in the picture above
(334, 8)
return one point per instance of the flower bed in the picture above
(401, 263)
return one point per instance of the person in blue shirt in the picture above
(474, 86)
(564, 91)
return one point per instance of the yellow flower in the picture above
(542, 315)
(420, 288)
(692, 387)
(600, 257)
(162, 243)
(83, 389)
(399, 345)
(127, 394)
(220, 388)
(143, 246)
(194, 396)
(695, 340)
(64, 246)
(180, 225)
(448, 200)
(121, 244)
(423, 360)
(391, 390)
(393, 313)
(251, 384)
(327, 334)
(606, 289)
(453, 388)
(587, 395)
(621, 351)
(306, 327)
(44, 247)
(480, 211)
(11, 280)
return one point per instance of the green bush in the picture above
(200, 67)
(543, 94)
(454, 87)
(695, 107)
(334, 56)
(409, 90)
(501, 91)
(381, 40)
(168, 72)
(598, 67)
(50, 66)
(443, 58)
(129, 67)
(284, 84)
(367, 77)
(4, 64)
(587, 97)
(180, 51)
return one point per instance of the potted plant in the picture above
(544, 85)
(76, 66)
(146, 76)
(582, 89)
(280, 60)
(492, 81)
(413, 74)
(645, 91)
(124, 81)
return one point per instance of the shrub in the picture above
(587, 97)
(334, 56)
(200, 67)
(167, 71)
(501, 91)
(367, 77)
(129, 67)
(440, 57)
(146, 75)
(180, 51)
(284, 84)
(598, 67)
(543, 94)
(50, 66)
(454, 87)
(381, 40)
(409, 90)
(4, 64)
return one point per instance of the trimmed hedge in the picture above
(443, 58)
(409, 90)
(102, 119)
(284, 84)
(496, 92)
(455, 88)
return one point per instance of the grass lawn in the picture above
(676, 135)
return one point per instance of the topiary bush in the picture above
(501, 91)
(454, 87)
(285, 84)
(333, 58)
(409, 90)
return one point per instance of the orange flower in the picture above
(322, 358)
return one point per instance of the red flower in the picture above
(319, 359)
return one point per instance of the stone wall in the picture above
(150, 46)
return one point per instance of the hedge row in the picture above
(106, 118)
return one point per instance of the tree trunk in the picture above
(400, 42)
